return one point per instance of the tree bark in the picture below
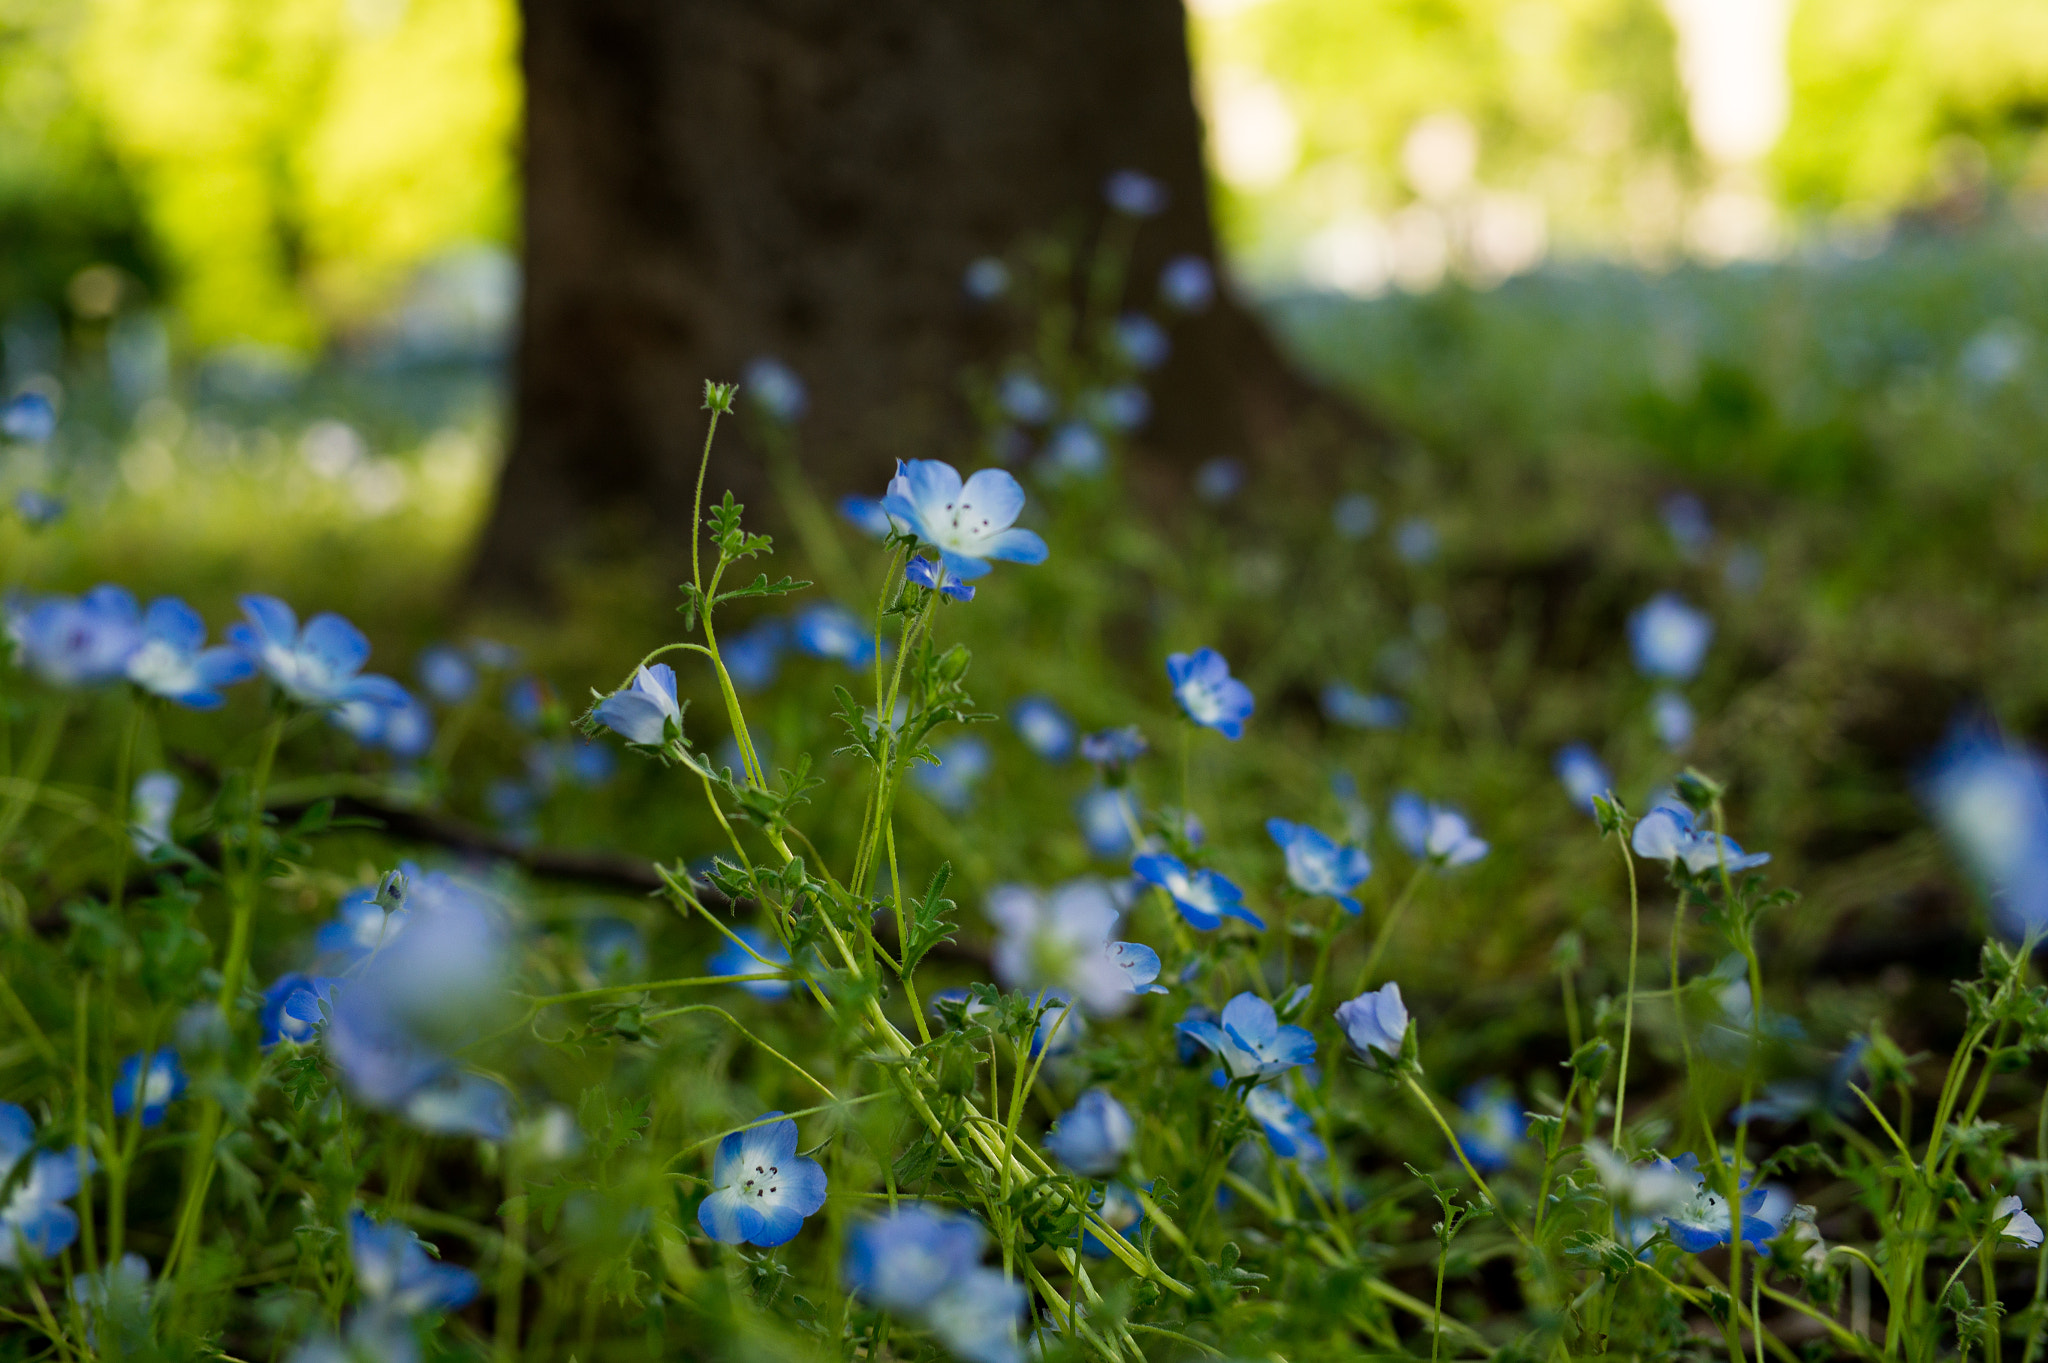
(713, 180)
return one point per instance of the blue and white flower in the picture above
(776, 388)
(1433, 833)
(1142, 341)
(985, 279)
(320, 665)
(150, 808)
(831, 631)
(762, 1189)
(762, 955)
(38, 508)
(1989, 797)
(1582, 774)
(397, 1276)
(1703, 1221)
(154, 1082)
(753, 657)
(1093, 1136)
(643, 712)
(1670, 833)
(1075, 450)
(1134, 194)
(77, 641)
(1671, 715)
(970, 523)
(1024, 398)
(30, 417)
(614, 949)
(950, 781)
(1375, 1021)
(1669, 638)
(976, 1316)
(936, 577)
(1187, 284)
(866, 515)
(2010, 1216)
(447, 673)
(1251, 1041)
(1107, 815)
(1490, 1124)
(172, 660)
(116, 1297)
(1044, 727)
(1289, 1130)
(1207, 693)
(902, 1260)
(1114, 749)
(1119, 407)
(1319, 865)
(1119, 1209)
(1415, 541)
(292, 1007)
(33, 1216)
(1354, 516)
(1205, 898)
(1061, 941)
(1218, 480)
(1345, 704)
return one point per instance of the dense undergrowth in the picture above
(1005, 1141)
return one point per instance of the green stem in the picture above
(42, 746)
(1386, 932)
(1628, 1010)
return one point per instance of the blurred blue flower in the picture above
(1092, 1137)
(1744, 569)
(33, 1216)
(1076, 450)
(614, 949)
(79, 641)
(319, 665)
(1061, 1025)
(1345, 704)
(155, 1081)
(1142, 341)
(1251, 1041)
(1119, 407)
(1207, 693)
(1415, 541)
(447, 673)
(1119, 1209)
(1670, 833)
(1669, 638)
(1989, 797)
(1289, 1130)
(642, 712)
(986, 279)
(38, 508)
(1319, 865)
(401, 724)
(1114, 749)
(150, 807)
(1107, 815)
(936, 577)
(775, 386)
(1134, 194)
(950, 783)
(968, 523)
(828, 630)
(1375, 1021)
(902, 1260)
(291, 1008)
(527, 701)
(865, 514)
(1434, 833)
(28, 417)
(1672, 717)
(1044, 727)
(753, 657)
(1685, 516)
(1218, 480)
(1203, 897)
(1187, 284)
(1582, 774)
(1062, 941)
(732, 959)
(762, 1189)
(116, 1296)
(1490, 1124)
(1703, 1222)
(361, 925)
(976, 1316)
(1355, 515)
(1024, 398)
(395, 1273)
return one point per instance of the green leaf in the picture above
(929, 922)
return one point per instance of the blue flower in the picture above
(1685, 516)
(903, 1260)
(1142, 341)
(762, 1189)
(38, 508)
(1582, 774)
(643, 711)
(776, 387)
(78, 641)
(291, 1008)
(1119, 407)
(1119, 1209)
(1415, 541)
(831, 631)
(1062, 942)
(1669, 638)
(1355, 515)
(969, 523)
(118, 1296)
(1203, 897)
(1107, 817)
(528, 701)
(398, 722)
(732, 959)
(1289, 1130)
(865, 514)
(1134, 194)
(1207, 693)
(1250, 1040)
(28, 417)
(936, 577)
(156, 1080)
(150, 808)
(1024, 398)
(986, 278)
(1187, 284)
(361, 924)
(1093, 1136)
(447, 673)
(1345, 704)
(1114, 749)
(1490, 1125)
(976, 1316)
(1060, 1024)
(395, 1273)
(1318, 865)
(1989, 797)
(1076, 450)
(1433, 833)
(1218, 480)
(1703, 1222)
(950, 782)
(1670, 833)
(2013, 1222)
(32, 1211)
(319, 665)
(1044, 727)
(754, 657)
(1671, 716)
(1375, 1021)
(614, 949)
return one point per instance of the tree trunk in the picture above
(712, 180)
